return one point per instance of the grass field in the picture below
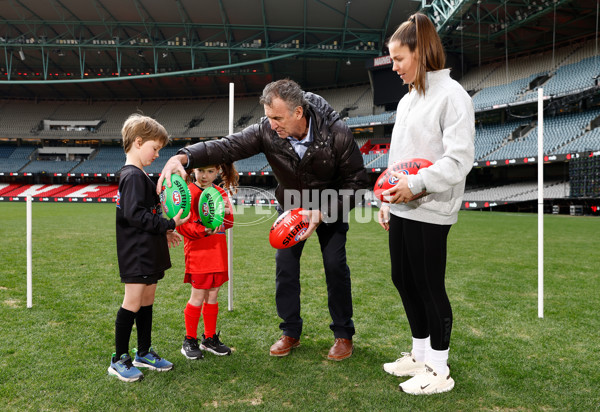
(54, 356)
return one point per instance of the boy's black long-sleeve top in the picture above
(142, 247)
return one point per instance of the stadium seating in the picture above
(573, 77)
(368, 159)
(501, 73)
(252, 164)
(13, 159)
(104, 190)
(379, 162)
(586, 142)
(249, 196)
(164, 155)
(6, 188)
(569, 68)
(383, 118)
(104, 160)
(563, 71)
(562, 134)
(355, 101)
(50, 166)
(502, 94)
(490, 138)
(516, 192)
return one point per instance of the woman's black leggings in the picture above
(418, 256)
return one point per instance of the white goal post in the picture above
(230, 230)
(29, 251)
(540, 202)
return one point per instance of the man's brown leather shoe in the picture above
(341, 349)
(284, 345)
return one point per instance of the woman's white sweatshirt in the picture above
(440, 127)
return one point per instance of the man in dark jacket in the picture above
(312, 152)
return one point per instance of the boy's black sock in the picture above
(143, 322)
(123, 326)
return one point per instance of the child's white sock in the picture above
(420, 347)
(438, 360)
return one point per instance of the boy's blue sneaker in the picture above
(123, 369)
(152, 361)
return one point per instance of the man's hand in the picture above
(174, 164)
(315, 218)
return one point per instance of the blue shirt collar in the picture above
(300, 146)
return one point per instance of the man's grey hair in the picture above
(287, 90)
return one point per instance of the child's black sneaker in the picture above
(190, 348)
(214, 345)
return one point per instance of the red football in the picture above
(386, 180)
(288, 228)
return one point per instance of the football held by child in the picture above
(206, 267)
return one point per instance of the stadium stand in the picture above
(379, 162)
(586, 142)
(520, 191)
(570, 133)
(490, 138)
(249, 196)
(499, 73)
(13, 159)
(562, 134)
(368, 120)
(50, 166)
(255, 163)
(6, 188)
(369, 158)
(350, 101)
(498, 95)
(567, 70)
(60, 190)
(105, 160)
(164, 155)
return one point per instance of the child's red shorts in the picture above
(206, 280)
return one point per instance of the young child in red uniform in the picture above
(206, 262)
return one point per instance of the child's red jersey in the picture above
(204, 254)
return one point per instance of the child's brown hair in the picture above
(138, 125)
(229, 177)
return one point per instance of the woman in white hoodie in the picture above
(435, 120)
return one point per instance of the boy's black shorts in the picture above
(144, 279)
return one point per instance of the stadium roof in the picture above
(482, 31)
(189, 48)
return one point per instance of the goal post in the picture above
(540, 171)
(230, 230)
(29, 251)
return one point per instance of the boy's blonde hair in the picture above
(147, 128)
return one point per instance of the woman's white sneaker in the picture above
(427, 383)
(404, 366)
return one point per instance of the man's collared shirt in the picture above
(300, 146)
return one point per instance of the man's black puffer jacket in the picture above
(332, 161)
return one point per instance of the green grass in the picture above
(54, 356)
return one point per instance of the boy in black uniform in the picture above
(143, 241)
